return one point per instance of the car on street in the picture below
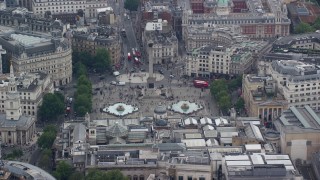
(160, 71)
(171, 76)
(142, 70)
(132, 70)
(113, 83)
(121, 83)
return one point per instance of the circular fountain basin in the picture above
(120, 109)
(185, 107)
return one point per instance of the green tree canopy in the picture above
(52, 106)
(304, 28)
(236, 83)
(76, 176)
(83, 80)
(240, 104)
(131, 5)
(103, 175)
(45, 162)
(224, 103)
(218, 86)
(102, 61)
(316, 24)
(46, 140)
(63, 171)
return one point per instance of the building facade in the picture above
(235, 58)
(299, 132)
(25, 20)
(98, 38)
(297, 81)
(71, 6)
(208, 60)
(261, 99)
(15, 128)
(33, 52)
(160, 43)
(262, 19)
(31, 88)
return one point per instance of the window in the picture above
(180, 178)
(202, 178)
(189, 177)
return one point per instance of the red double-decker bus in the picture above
(129, 56)
(200, 84)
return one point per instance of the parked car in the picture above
(121, 83)
(113, 83)
(160, 71)
(171, 76)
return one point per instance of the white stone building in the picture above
(208, 60)
(298, 82)
(160, 43)
(68, 7)
(31, 88)
(36, 52)
(15, 128)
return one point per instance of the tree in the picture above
(236, 83)
(50, 128)
(225, 103)
(102, 61)
(76, 176)
(46, 140)
(316, 24)
(63, 171)
(83, 89)
(52, 106)
(218, 86)
(102, 175)
(44, 162)
(83, 80)
(304, 28)
(131, 5)
(80, 69)
(240, 104)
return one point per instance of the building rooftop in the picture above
(259, 166)
(297, 70)
(22, 123)
(27, 170)
(300, 119)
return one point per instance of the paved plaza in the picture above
(110, 94)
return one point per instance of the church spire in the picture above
(11, 70)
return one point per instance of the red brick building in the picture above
(197, 6)
(239, 6)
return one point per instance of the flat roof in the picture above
(278, 157)
(238, 163)
(194, 142)
(253, 146)
(236, 158)
(256, 159)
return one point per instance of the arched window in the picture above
(135, 177)
(129, 177)
(141, 177)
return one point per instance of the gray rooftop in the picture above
(302, 118)
(79, 133)
(23, 123)
(27, 170)
(297, 70)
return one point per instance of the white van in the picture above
(116, 73)
(121, 83)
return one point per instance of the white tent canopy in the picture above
(221, 121)
(206, 120)
(190, 121)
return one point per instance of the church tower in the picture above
(12, 103)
